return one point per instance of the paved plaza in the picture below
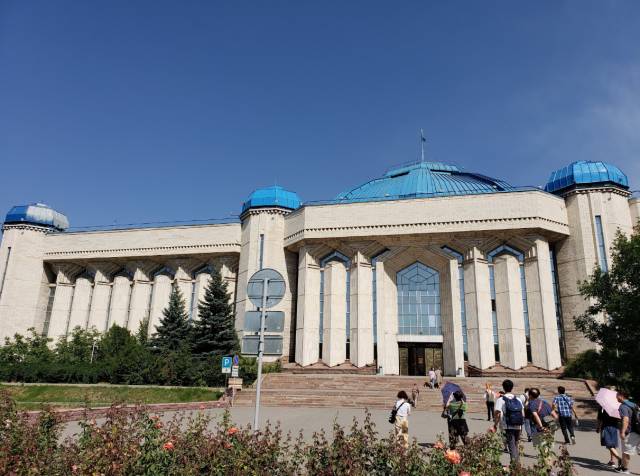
(587, 454)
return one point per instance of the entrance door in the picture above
(416, 358)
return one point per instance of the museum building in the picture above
(427, 265)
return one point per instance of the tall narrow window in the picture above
(463, 314)
(602, 249)
(494, 315)
(47, 314)
(4, 272)
(335, 256)
(261, 250)
(556, 300)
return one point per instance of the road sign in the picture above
(275, 288)
(226, 365)
(234, 371)
(236, 360)
(274, 321)
(272, 345)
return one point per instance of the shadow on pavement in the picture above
(590, 463)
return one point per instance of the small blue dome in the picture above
(274, 196)
(37, 214)
(423, 179)
(586, 172)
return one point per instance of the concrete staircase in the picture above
(373, 391)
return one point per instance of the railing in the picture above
(156, 224)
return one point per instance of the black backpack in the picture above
(513, 411)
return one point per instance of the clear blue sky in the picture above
(134, 111)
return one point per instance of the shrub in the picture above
(135, 442)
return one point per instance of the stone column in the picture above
(509, 311)
(361, 333)
(334, 343)
(478, 310)
(545, 343)
(387, 305)
(452, 346)
(202, 281)
(160, 300)
(139, 305)
(226, 266)
(81, 302)
(184, 283)
(98, 314)
(120, 300)
(61, 308)
(308, 310)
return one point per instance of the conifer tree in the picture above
(174, 330)
(214, 332)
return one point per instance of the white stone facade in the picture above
(343, 262)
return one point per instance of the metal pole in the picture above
(263, 312)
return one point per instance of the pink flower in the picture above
(158, 425)
(464, 473)
(232, 431)
(74, 468)
(439, 445)
(452, 456)
(168, 446)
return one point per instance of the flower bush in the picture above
(131, 441)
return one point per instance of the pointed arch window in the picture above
(418, 288)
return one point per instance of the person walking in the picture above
(402, 409)
(438, 373)
(509, 416)
(563, 406)
(542, 417)
(527, 414)
(489, 400)
(432, 378)
(415, 392)
(608, 428)
(629, 430)
(457, 426)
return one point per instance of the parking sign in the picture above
(227, 362)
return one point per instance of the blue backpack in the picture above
(513, 411)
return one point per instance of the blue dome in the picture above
(421, 179)
(274, 196)
(586, 172)
(37, 214)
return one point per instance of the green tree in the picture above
(214, 332)
(121, 358)
(616, 296)
(174, 331)
(77, 346)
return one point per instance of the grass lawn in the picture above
(34, 397)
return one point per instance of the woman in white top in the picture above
(403, 408)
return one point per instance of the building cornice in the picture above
(605, 189)
(420, 227)
(145, 250)
(41, 229)
(268, 210)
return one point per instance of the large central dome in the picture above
(424, 179)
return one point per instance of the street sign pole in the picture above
(263, 312)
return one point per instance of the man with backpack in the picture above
(629, 430)
(509, 416)
(543, 417)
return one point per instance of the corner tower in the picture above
(24, 283)
(596, 195)
(262, 240)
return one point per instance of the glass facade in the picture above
(602, 249)
(419, 300)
